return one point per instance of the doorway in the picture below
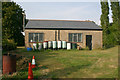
(89, 41)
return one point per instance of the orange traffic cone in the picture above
(30, 73)
(33, 62)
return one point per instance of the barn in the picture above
(84, 33)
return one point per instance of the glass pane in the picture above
(36, 37)
(70, 37)
(75, 34)
(40, 37)
(75, 37)
(79, 37)
(30, 37)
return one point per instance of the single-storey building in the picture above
(84, 33)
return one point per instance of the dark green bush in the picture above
(37, 46)
(8, 45)
(112, 36)
(110, 41)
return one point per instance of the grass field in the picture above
(68, 64)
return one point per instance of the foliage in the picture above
(37, 45)
(36, 48)
(22, 63)
(110, 41)
(8, 45)
(105, 20)
(111, 31)
(12, 20)
(115, 7)
(104, 17)
(115, 11)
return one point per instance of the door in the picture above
(89, 41)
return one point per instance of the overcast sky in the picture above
(63, 10)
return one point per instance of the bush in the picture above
(110, 41)
(37, 46)
(22, 63)
(112, 38)
(8, 45)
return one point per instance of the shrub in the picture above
(112, 38)
(110, 41)
(37, 46)
(8, 45)
(22, 63)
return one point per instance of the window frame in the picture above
(33, 38)
(72, 35)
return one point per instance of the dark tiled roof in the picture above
(62, 24)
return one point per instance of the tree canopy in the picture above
(105, 20)
(115, 28)
(111, 31)
(12, 21)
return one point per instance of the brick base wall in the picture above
(49, 35)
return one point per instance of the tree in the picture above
(105, 20)
(115, 28)
(12, 20)
(115, 11)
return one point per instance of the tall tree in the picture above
(105, 20)
(12, 20)
(115, 11)
(115, 7)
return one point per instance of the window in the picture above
(75, 37)
(36, 37)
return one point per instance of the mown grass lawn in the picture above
(68, 64)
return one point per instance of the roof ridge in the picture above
(57, 20)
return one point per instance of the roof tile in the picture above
(61, 24)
